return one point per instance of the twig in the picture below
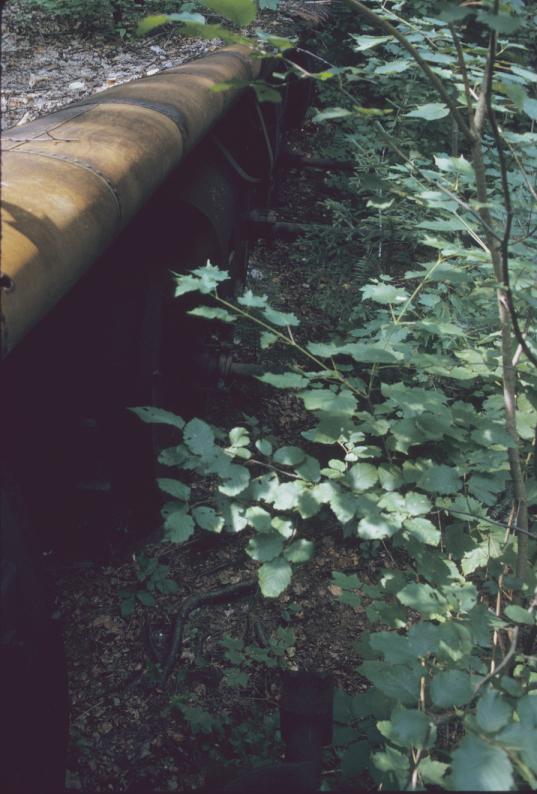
(503, 664)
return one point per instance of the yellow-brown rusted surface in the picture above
(72, 180)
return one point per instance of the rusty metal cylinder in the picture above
(71, 181)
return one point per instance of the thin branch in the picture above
(378, 21)
(462, 514)
(438, 185)
(506, 235)
(464, 70)
(503, 664)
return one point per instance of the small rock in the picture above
(77, 85)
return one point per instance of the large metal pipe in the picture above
(72, 180)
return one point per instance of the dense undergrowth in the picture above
(423, 405)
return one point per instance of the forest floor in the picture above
(123, 734)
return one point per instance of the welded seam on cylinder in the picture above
(164, 108)
(45, 126)
(79, 164)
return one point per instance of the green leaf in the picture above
(212, 313)
(344, 505)
(393, 67)
(288, 495)
(384, 293)
(479, 766)
(529, 106)
(370, 353)
(264, 447)
(362, 476)
(366, 42)
(417, 503)
(179, 526)
(267, 339)
(236, 678)
(331, 113)
(199, 438)
(433, 772)
(153, 21)
(280, 318)
(501, 23)
(299, 551)
(289, 456)
(239, 437)
(310, 469)
(394, 647)
(241, 12)
(423, 530)
(342, 402)
(265, 547)
(377, 526)
(208, 519)
(410, 728)
(274, 577)
(145, 598)
(422, 598)
(153, 415)
(519, 615)
(175, 488)
(259, 518)
(493, 712)
(451, 688)
(236, 480)
(399, 682)
(394, 764)
(284, 526)
(289, 380)
(252, 301)
(355, 760)
(233, 514)
(430, 111)
(440, 479)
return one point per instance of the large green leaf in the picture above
(423, 530)
(241, 12)
(274, 577)
(400, 682)
(378, 526)
(175, 488)
(179, 526)
(342, 402)
(153, 415)
(451, 688)
(289, 456)
(430, 111)
(440, 479)
(422, 598)
(408, 728)
(208, 519)
(493, 711)
(259, 518)
(288, 380)
(479, 766)
(265, 547)
(212, 313)
(199, 438)
(236, 480)
(299, 551)
(362, 476)
(384, 293)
